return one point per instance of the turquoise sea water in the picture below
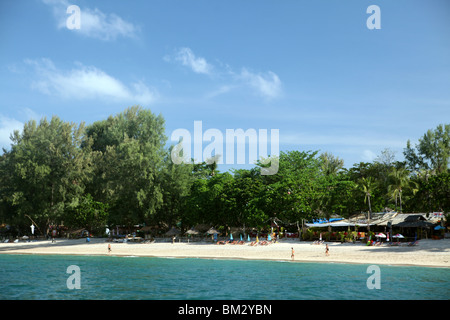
(110, 277)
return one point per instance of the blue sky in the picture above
(311, 69)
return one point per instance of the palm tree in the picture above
(423, 176)
(330, 164)
(400, 181)
(367, 185)
(211, 164)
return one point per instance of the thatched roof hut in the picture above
(212, 231)
(415, 221)
(192, 231)
(172, 232)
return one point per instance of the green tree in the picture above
(330, 182)
(293, 193)
(433, 150)
(175, 181)
(433, 193)
(129, 158)
(374, 171)
(47, 171)
(330, 165)
(206, 168)
(400, 181)
(367, 185)
(440, 186)
(195, 207)
(6, 188)
(248, 189)
(90, 214)
(211, 201)
(221, 201)
(337, 196)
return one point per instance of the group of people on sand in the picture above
(231, 242)
(261, 243)
(327, 252)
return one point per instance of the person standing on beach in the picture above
(292, 253)
(327, 251)
(109, 248)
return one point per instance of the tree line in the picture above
(119, 171)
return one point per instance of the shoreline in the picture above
(428, 253)
(221, 258)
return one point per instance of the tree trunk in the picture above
(33, 222)
(400, 198)
(370, 213)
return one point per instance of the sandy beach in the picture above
(431, 253)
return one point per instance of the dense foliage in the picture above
(118, 171)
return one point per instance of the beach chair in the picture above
(413, 243)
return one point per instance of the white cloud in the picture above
(87, 82)
(29, 114)
(368, 155)
(197, 64)
(93, 22)
(7, 127)
(268, 85)
(222, 90)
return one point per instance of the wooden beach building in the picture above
(411, 225)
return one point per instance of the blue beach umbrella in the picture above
(248, 238)
(231, 236)
(241, 236)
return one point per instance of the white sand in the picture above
(433, 253)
